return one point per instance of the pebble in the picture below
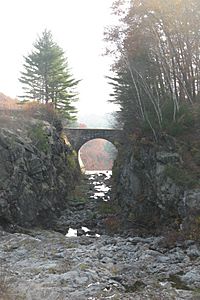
(60, 267)
(48, 265)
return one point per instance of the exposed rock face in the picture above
(145, 183)
(37, 174)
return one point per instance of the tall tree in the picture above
(46, 76)
(157, 65)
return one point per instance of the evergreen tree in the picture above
(46, 77)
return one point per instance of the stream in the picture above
(101, 184)
(84, 217)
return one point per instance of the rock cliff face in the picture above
(37, 174)
(151, 184)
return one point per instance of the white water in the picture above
(99, 173)
(71, 232)
(99, 186)
(100, 190)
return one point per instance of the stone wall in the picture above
(38, 172)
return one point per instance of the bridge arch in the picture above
(79, 136)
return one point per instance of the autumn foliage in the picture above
(7, 103)
(95, 155)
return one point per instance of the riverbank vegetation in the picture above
(157, 65)
(46, 77)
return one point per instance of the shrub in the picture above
(39, 137)
(195, 232)
(106, 208)
(112, 224)
(193, 226)
(40, 111)
(80, 191)
(171, 237)
(71, 161)
(180, 176)
(184, 122)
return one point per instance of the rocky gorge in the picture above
(96, 263)
(128, 242)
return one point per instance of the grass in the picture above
(83, 267)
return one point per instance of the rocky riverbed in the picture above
(45, 264)
(48, 265)
(87, 209)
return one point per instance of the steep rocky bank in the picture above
(158, 183)
(38, 180)
(38, 173)
(44, 264)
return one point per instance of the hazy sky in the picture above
(77, 26)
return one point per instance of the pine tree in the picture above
(46, 77)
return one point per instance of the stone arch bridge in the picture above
(78, 136)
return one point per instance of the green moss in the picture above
(83, 267)
(71, 161)
(132, 217)
(71, 245)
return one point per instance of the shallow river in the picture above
(100, 181)
(100, 187)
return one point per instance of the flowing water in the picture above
(99, 182)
